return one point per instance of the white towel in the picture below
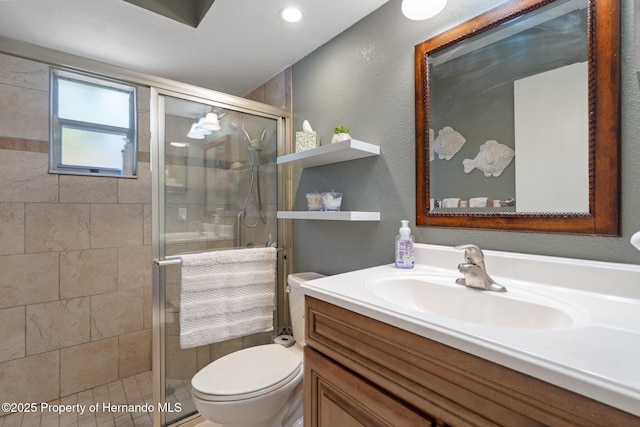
(226, 294)
(479, 202)
(451, 202)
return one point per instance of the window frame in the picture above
(57, 124)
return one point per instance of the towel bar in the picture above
(178, 260)
(169, 261)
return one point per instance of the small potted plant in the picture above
(341, 133)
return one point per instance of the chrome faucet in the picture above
(475, 274)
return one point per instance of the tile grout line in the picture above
(111, 393)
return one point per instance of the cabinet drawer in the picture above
(453, 387)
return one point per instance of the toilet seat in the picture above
(246, 373)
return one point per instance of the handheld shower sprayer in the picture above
(254, 150)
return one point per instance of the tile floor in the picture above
(178, 391)
(130, 391)
(135, 390)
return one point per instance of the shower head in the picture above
(246, 134)
(255, 144)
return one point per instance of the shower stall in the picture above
(215, 187)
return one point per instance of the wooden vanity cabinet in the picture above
(362, 372)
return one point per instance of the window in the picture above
(93, 125)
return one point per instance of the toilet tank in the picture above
(296, 302)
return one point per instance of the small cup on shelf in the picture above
(331, 201)
(314, 201)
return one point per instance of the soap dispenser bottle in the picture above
(404, 246)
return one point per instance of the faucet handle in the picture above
(472, 254)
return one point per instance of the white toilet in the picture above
(258, 386)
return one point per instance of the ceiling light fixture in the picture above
(291, 14)
(210, 122)
(201, 128)
(204, 126)
(179, 144)
(194, 133)
(418, 10)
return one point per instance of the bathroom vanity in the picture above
(378, 353)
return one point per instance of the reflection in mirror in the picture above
(222, 180)
(506, 119)
(637, 20)
(544, 81)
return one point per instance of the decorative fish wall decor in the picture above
(492, 159)
(448, 143)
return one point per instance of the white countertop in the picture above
(598, 356)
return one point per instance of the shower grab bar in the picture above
(177, 260)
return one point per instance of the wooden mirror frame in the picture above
(603, 217)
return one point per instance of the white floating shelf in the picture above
(330, 216)
(350, 149)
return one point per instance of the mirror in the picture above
(637, 21)
(517, 120)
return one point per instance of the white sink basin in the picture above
(441, 296)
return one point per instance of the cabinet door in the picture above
(335, 396)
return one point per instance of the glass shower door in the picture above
(217, 180)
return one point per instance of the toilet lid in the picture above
(246, 373)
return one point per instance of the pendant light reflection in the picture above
(179, 144)
(204, 126)
(418, 10)
(211, 122)
(194, 133)
(201, 128)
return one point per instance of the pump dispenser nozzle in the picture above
(405, 231)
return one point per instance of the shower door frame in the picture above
(284, 238)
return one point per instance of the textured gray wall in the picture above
(364, 79)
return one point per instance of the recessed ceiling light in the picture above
(422, 9)
(291, 14)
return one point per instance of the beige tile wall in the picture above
(276, 91)
(75, 256)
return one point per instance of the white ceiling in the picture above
(239, 45)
